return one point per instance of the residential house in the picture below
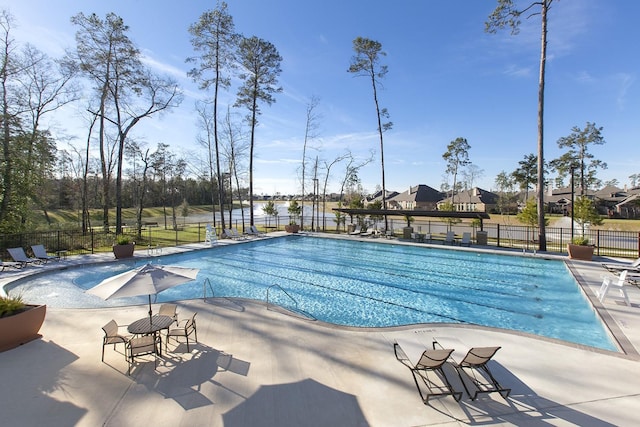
(419, 197)
(473, 200)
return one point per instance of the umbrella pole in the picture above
(150, 312)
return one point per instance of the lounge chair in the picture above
(356, 231)
(608, 284)
(185, 328)
(472, 367)
(41, 253)
(466, 239)
(368, 232)
(420, 362)
(450, 238)
(20, 256)
(112, 336)
(618, 267)
(9, 264)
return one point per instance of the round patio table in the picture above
(151, 326)
(146, 325)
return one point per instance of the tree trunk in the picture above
(542, 237)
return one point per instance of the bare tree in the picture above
(208, 140)
(234, 149)
(327, 168)
(310, 133)
(507, 14)
(128, 91)
(471, 174)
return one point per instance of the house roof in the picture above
(475, 195)
(419, 193)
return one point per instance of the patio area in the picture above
(258, 367)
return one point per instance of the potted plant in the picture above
(584, 213)
(123, 247)
(19, 322)
(580, 249)
(294, 210)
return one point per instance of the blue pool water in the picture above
(356, 283)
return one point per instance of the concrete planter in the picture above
(123, 251)
(22, 327)
(580, 252)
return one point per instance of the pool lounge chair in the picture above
(450, 238)
(466, 239)
(9, 264)
(420, 362)
(20, 256)
(356, 231)
(41, 253)
(368, 232)
(472, 367)
(618, 267)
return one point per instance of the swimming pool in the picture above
(367, 284)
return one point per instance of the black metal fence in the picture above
(625, 244)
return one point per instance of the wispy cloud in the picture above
(625, 81)
(516, 71)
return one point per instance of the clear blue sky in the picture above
(447, 79)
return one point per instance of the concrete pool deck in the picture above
(259, 367)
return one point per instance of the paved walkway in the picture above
(258, 367)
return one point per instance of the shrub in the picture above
(10, 305)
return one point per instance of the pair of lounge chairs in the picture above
(254, 232)
(450, 238)
(232, 233)
(471, 367)
(40, 255)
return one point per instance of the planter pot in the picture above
(292, 228)
(21, 328)
(406, 232)
(580, 252)
(123, 251)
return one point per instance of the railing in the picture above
(204, 289)
(625, 244)
(285, 292)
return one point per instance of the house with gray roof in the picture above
(419, 197)
(473, 200)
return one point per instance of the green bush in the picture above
(581, 240)
(10, 305)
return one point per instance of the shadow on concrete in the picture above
(303, 403)
(26, 399)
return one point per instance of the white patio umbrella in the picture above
(150, 279)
